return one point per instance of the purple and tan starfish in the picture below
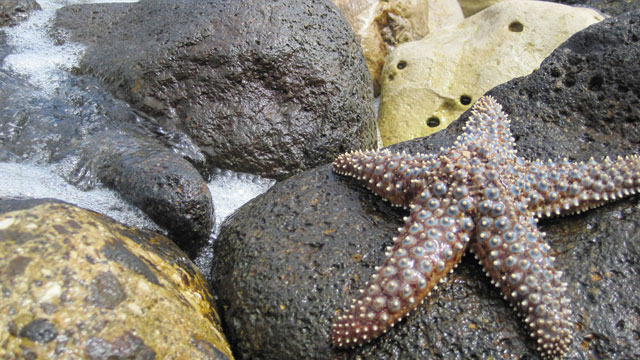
(477, 194)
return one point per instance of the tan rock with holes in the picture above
(382, 25)
(75, 284)
(429, 83)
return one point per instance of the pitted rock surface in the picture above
(300, 251)
(382, 25)
(265, 88)
(76, 284)
(428, 84)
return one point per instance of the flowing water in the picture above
(36, 59)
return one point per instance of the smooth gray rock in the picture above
(269, 88)
(288, 259)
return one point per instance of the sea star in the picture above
(477, 192)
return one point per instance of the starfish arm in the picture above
(513, 253)
(393, 176)
(565, 188)
(428, 247)
(488, 125)
(478, 187)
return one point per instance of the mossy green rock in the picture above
(76, 284)
(429, 83)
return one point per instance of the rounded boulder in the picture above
(76, 284)
(268, 88)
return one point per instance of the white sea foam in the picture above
(230, 191)
(35, 55)
(25, 181)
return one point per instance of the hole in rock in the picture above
(433, 121)
(516, 26)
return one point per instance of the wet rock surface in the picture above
(585, 98)
(265, 88)
(14, 11)
(168, 188)
(290, 258)
(98, 139)
(76, 284)
(4, 47)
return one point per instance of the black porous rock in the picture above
(14, 11)
(608, 7)
(585, 98)
(289, 259)
(102, 140)
(269, 88)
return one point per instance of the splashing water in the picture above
(26, 181)
(229, 191)
(35, 57)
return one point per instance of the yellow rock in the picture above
(383, 24)
(427, 84)
(75, 284)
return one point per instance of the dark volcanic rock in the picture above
(166, 187)
(289, 259)
(14, 11)
(585, 98)
(103, 139)
(269, 88)
(608, 7)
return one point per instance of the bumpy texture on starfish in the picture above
(477, 192)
